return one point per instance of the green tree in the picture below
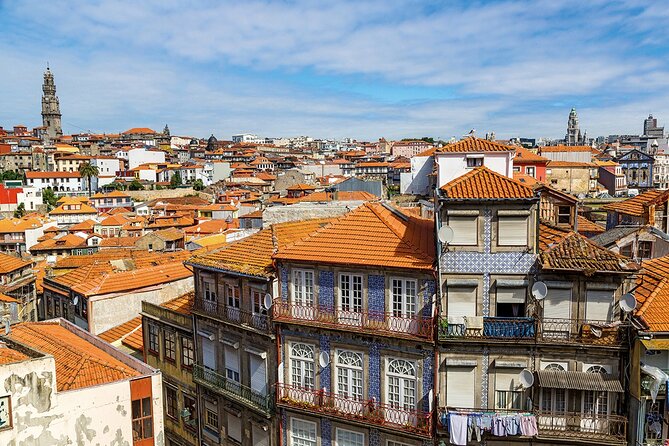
(136, 185)
(175, 181)
(49, 198)
(10, 175)
(198, 185)
(88, 171)
(20, 211)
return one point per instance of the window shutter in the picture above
(557, 304)
(599, 305)
(231, 359)
(507, 379)
(460, 390)
(234, 427)
(260, 437)
(465, 229)
(461, 301)
(507, 295)
(208, 354)
(258, 374)
(512, 231)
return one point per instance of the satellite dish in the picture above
(526, 378)
(267, 302)
(75, 301)
(445, 234)
(627, 302)
(324, 359)
(539, 290)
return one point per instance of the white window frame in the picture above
(350, 376)
(304, 441)
(348, 431)
(303, 363)
(400, 305)
(403, 379)
(350, 292)
(303, 293)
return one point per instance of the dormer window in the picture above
(564, 215)
(474, 161)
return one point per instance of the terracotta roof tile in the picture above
(119, 332)
(85, 225)
(566, 149)
(585, 225)
(253, 254)
(79, 363)
(182, 304)
(81, 208)
(638, 206)
(9, 355)
(338, 196)
(301, 187)
(69, 241)
(475, 145)
(566, 250)
(483, 183)
(371, 235)
(525, 156)
(118, 242)
(572, 164)
(10, 263)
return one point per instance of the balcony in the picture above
(12, 240)
(602, 429)
(569, 331)
(492, 328)
(232, 389)
(367, 412)
(232, 315)
(377, 323)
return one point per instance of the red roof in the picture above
(483, 183)
(475, 145)
(75, 174)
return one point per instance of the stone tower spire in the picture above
(50, 108)
(573, 136)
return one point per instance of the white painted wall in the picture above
(454, 165)
(142, 156)
(417, 181)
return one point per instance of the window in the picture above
(153, 338)
(396, 443)
(234, 427)
(508, 391)
(5, 412)
(302, 433)
(510, 302)
(302, 366)
(595, 403)
(530, 170)
(350, 299)
(171, 406)
(231, 363)
(404, 297)
(465, 229)
(232, 294)
(349, 374)
(187, 352)
(645, 249)
(599, 305)
(349, 438)
(170, 345)
(564, 215)
(512, 230)
(142, 421)
(257, 297)
(626, 250)
(401, 384)
(303, 287)
(190, 412)
(474, 161)
(209, 291)
(211, 420)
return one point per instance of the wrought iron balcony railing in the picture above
(583, 426)
(230, 388)
(379, 323)
(390, 416)
(533, 329)
(231, 314)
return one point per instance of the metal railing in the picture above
(238, 391)
(534, 329)
(582, 426)
(380, 323)
(389, 416)
(231, 314)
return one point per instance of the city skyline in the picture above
(362, 70)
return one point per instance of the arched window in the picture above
(554, 367)
(597, 369)
(302, 365)
(401, 384)
(349, 375)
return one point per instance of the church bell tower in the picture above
(50, 108)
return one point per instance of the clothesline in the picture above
(467, 426)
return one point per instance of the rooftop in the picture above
(484, 184)
(79, 363)
(638, 206)
(10, 263)
(474, 145)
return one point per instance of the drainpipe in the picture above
(436, 323)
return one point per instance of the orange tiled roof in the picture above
(10, 263)
(573, 164)
(585, 225)
(253, 254)
(114, 220)
(83, 209)
(182, 304)
(41, 174)
(301, 187)
(528, 180)
(652, 294)
(69, 241)
(474, 145)
(79, 363)
(566, 149)
(9, 225)
(7, 299)
(118, 242)
(120, 332)
(638, 206)
(85, 225)
(338, 196)
(483, 183)
(138, 130)
(371, 235)
(9, 355)
(567, 250)
(525, 156)
(170, 234)
(112, 194)
(211, 227)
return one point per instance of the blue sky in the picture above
(338, 69)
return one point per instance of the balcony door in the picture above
(302, 376)
(553, 403)
(404, 303)
(557, 322)
(208, 353)
(349, 307)
(349, 382)
(258, 372)
(303, 294)
(401, 395)
(595, 407)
